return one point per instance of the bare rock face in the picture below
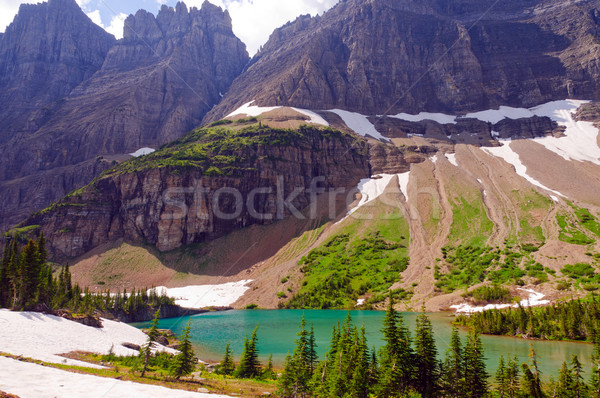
(388, 56)
(149, 88)
(194, 199)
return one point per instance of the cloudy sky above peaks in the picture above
(253, 20)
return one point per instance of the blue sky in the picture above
(111, 14)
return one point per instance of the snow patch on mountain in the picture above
(142, 152)
(313, 117)
(203, 296)
(441, 118)
(511, 157)
(451, 158)
(534, 299)
(403, 180)
(252, 110)
(360, 124)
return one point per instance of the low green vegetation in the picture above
(470, 224)
(345, 268)
(470, 265)
(571, 320)
(586, 219)
(224, 148)
(569, 232)
(533, 207)
(489, 294)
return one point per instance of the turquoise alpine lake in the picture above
(277, 332)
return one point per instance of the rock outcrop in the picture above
(388, 56)
(147, 89)
(204, 186)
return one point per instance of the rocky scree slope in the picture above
(97, 99)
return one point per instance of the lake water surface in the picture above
(277, 332)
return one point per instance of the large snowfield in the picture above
(44, 337)
(535, 299)
(203, 296)
(28, 380)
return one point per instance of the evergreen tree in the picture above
(269, 373)
(227, 366)
(512, 378)
(564, 386)
(146, 350)
(427, 366)
(501, 379)
(579, 386)
(249, 366)
(595, 376)
(30, 269)
(397, 366)
(312, 356)
(4, 276)
(298, 370)
(474, 367)
(452, 380)
(184, 362)
(532, 380)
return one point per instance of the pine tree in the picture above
(579, 386)
(227, 365)
(453, 378)
(427, 365)
(313, 358)
(4, 276)
(474, 367)
(184, 362)
(146, 350)
(269, 373)
(249, 366)
(595, 376)
(501, 379)
(532, 380)
(30, 269)
(564, 387)
(397, 365)
(512, 378)
(295, 381)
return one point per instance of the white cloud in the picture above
(8, 10)
(255, 20)
(116, 25)
(95, 17)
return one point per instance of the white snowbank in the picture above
(29, 380)
(314, 117)
(360, 124)
(580, 138)
(451, 158)
(43, 337)
(511, 157)
(534, 299)
(504, 112)
(371, 188)
(202, 296)
(142, 152)
(252, 110)
(360, 301)
(403, 180)
(436, 117)
(434, 159)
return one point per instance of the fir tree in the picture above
(249, 366)
(452, 380)
(595, 375)
(146, 350)
(269, 373)
(512, 378)
(427, 365)
(579, 386)
(227, 365)
(501, 379)
(298, 370)
(564, 386)
(4, 276)
(184, 363)
(397, 366)
(474, 367)
(531, 381)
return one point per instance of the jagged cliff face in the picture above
(203, 187)
(47, 51)
(149, 88)
(384, 57)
